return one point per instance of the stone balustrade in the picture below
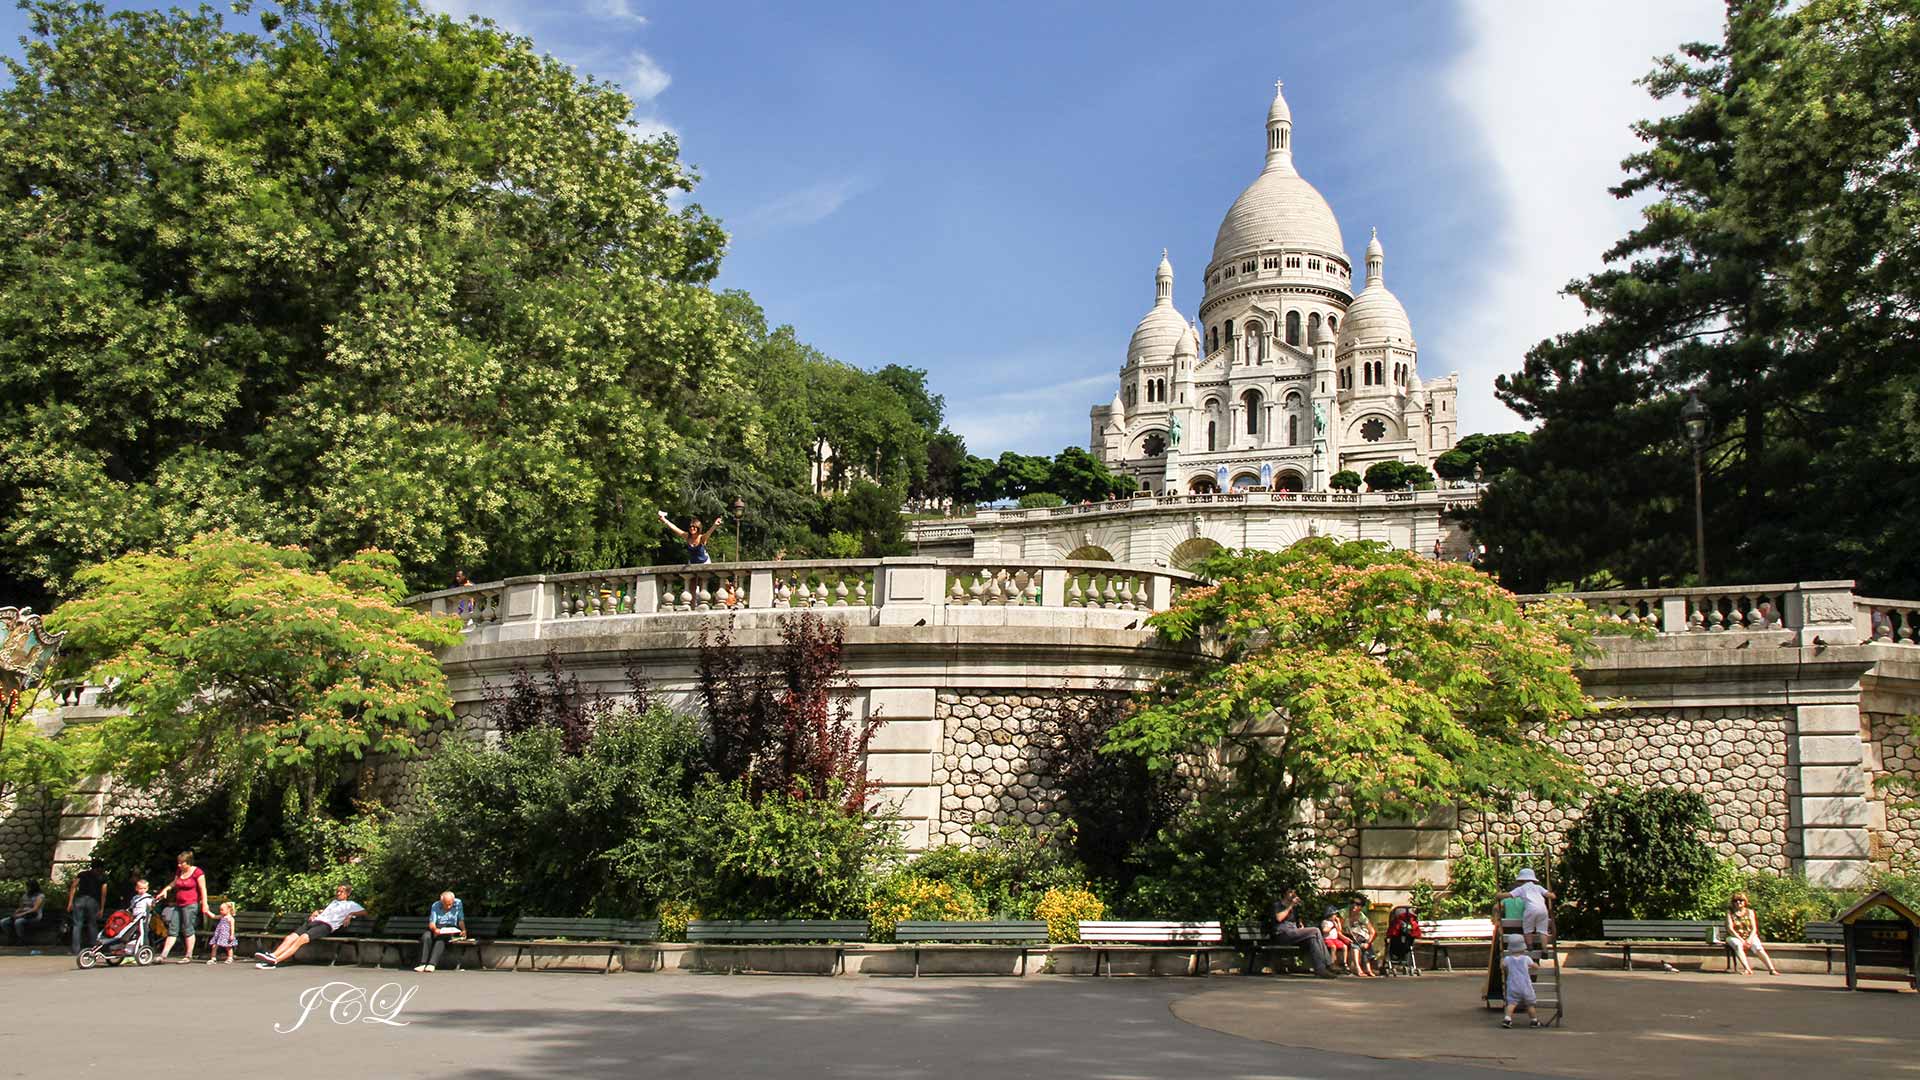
(878, 592)
(1811, 612)
(1444, 496)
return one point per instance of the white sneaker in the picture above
(419, 967)
(429, 967)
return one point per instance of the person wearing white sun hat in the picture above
(1535, 920)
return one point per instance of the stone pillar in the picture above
(910, 592)
(1824, 610)
(900, 758)
(525, 604)
(1829, 810)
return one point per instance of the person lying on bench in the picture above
(320, 923)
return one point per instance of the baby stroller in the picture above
(123, 937)
(1403, 929)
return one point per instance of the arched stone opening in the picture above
(1091, 553)
(1289, 480)
(1189, 552)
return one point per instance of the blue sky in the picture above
(983, 190)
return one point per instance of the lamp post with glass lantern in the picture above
(739, 508)
(1697, 422)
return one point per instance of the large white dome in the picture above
(1279, 209)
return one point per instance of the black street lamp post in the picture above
(1697, 422)
(739, 508)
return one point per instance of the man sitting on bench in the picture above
(1285, 929)
(319, 924)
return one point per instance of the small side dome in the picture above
(1376, 316)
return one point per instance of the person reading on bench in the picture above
(320, 923)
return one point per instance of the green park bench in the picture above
(1829, 936)
(967, 936)
(1107, 937)
(532, 933)
(402, 932)
(1660, 933)
(1256, 944)
(736, 935)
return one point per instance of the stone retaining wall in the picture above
(1737, 758)
(1894, 817)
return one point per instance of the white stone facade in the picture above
(1289, 376)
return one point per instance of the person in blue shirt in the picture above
(446, 920)
(695, 535)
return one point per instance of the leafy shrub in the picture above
(1063, 910)
(349, 851)
(1006, 870)
(1472, 884)
(1037, 500)
(528, 828)
(1114, 800)
(784, 856)
(1223, 858)
(674, 915)
(907, 896)
(1344, 480)
(784, 723)
(1638, 854)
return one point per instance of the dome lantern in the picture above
(1279, 132)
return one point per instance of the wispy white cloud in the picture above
(803, 206)
(1030, 419)
(645, 79)
(1548, 89)
(616, 9)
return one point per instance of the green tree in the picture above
(1775, 272)
(872, 514)
(1344, 480)
(1639, 854)
(1077, 476)
(375, 277)
(1015, 475)
(1365, 679)
(1396, 476)
(234, 658)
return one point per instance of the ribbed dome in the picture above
(1188, 345)
(1162, 328)
(1280, 209)
(1375, 317)
(1156, 335)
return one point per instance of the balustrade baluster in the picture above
(860, 597)
(1075, 598)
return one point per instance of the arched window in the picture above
(1251, 402)
(1293, 328)
(1213, 338)
(1293, 429)
(1313, 326)
(1229, 331)
(1163, 389)
(1132, 397)
(1333, 324)
(1210, 436)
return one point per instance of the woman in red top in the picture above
(189, 889)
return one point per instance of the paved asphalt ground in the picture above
(211, 1024)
